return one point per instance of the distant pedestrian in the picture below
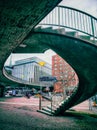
(14, 92)
(90, 104)
(27, 95)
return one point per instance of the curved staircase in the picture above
(78, 47)
(72, 34)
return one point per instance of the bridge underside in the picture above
(17, 19)
(79, 54)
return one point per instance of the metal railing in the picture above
(58, 98)
(71, 18)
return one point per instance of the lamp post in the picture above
(41, 63)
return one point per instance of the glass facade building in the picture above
(31, 70)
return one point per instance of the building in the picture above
(66, 76)
(31, 69)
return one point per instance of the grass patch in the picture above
(76, 113)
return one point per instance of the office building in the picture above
(31, 69)
(66, 76)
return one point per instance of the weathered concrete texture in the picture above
(79, 54)
(17, 19)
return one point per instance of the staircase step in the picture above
(53, 108)
(44, 112)
(48, 110)
(38, 28)
(61, 108)
(47, 29)
(84, 37)
(67, 97)
(62, 102)
(93, 41)
(71, 33)
(59, 30)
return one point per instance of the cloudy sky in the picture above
(89, 6)
(47, 56)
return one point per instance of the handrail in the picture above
(61, 99)
(71, 18)
(76, 20)
(62, 94)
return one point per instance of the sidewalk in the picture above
(34, 102)
(84, 107)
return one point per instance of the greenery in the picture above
(78, 113)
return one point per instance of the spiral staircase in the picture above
(72, 34)
(74, 37)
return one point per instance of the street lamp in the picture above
(41, 63)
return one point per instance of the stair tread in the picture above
(44, 112)
(47, 109)
(53, 107)
(73, 33)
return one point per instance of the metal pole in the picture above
(40, 96)
(40, 92)
(51, 104)
(93, 34)
(39, 102)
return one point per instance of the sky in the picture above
(89, 6)
(47, 56)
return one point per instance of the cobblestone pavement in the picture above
(21, 114)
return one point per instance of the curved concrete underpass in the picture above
(17, 19)
(79, 54)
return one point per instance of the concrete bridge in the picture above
(18, 20)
